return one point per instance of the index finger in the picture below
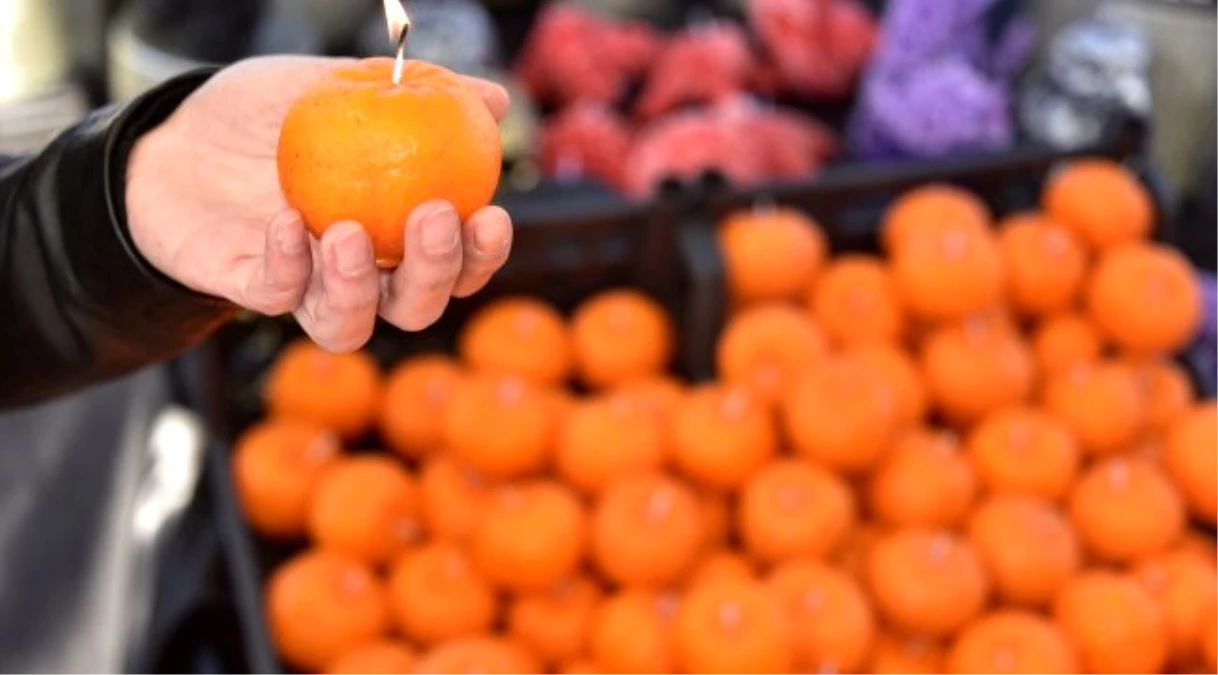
(495, 96)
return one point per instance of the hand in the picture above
(205, 208)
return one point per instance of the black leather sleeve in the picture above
(78, 304)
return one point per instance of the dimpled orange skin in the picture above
(320, 605)
(385, 657)
(1115, 625)
(897, 654)
(452, 498)
(948, 272)
(1012, 641)
(277, 466)
(358, 147)
(977, 366)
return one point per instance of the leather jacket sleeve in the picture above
(78, 304)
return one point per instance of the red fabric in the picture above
(699, 65)
(585, 139)
(818, 46)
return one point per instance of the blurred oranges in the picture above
(992, 468)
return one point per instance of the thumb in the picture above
(277, 281)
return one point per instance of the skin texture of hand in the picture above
(205, 208)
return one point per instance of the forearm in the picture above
(77, 302)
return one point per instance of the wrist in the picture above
(153, 191)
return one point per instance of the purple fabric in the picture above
(1209, 295)
(937, 85)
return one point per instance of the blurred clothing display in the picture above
(457, 34)
(154, 40)
(1095, 74)
(37, 95)
(1183, 74)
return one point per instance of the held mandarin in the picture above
(359, 147)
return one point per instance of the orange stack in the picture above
(972, 454)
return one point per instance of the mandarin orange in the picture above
(721, 434)
(359, 147)
(1115, 624)
(366, 507)
(277, 466)
(384, 657)
(320, 605)
(770, 254)
(1012, 641)
(793, 508)
(619, 336)
(1027, 546)
(518, 336)
(829, 613)
(856, 302)
(927, 582)
(336, 391)
(767, 346)
(1100, 201)
(733, 626)
(1045, 264)
(532, 536)
(416, 395)
(437, 595)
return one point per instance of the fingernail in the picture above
(289, 238)
(441, 231)
(353, 254)
(491, 238)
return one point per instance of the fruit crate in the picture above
(570, 245)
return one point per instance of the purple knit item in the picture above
(937, 85)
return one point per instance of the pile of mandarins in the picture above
(971, 455)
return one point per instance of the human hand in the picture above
(205, 208)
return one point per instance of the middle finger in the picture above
(419, 289)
